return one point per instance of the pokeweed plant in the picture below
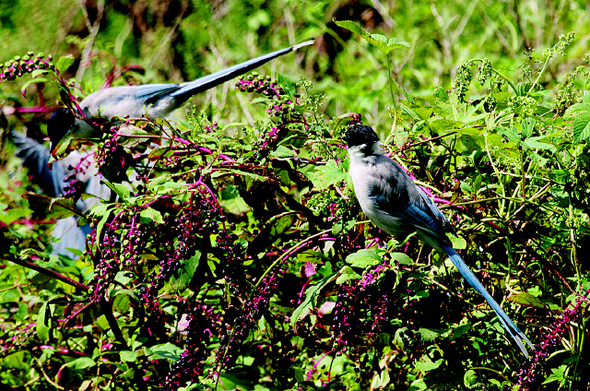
(234, 257)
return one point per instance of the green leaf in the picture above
(578, 108)
(166, 351)
(470, 379)
(186, 271)
(444, 125)
(379, 41)
(402, 258)
(128, 355)
(581, 127)
(34, 81)
(364, 258)
(102, 323)
(325, 176)
(82, 363)
(418, 385)
(311, 295)
(150, 214)
(283, 152)
(44, 322)
(19, 360)
(425, 364)
(458, 242)
(8, 217)
(346, 274)
(288, 86)
(64, 63)
(527, 299)
(121, 303)
(428, 335)
(120, 189)
(528, 126)
(231, 201)
(59, 208)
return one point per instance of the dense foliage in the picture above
(233, 254)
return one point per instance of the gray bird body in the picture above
(155, 100)
(381, 186)
(395, 204)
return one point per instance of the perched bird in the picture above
(395, 204)
(157, 100)
(77, 169)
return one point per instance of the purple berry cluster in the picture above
(28, 63)
(527, 376)
(281, 108)
(155, 236)
(361, 308)
(17, 338)
(204, 323)
(74, 186)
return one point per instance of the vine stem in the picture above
(50, 273)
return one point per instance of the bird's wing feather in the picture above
(399, 196)
(36, 157)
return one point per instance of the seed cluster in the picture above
(28, 63)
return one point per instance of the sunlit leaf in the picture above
(379, 41)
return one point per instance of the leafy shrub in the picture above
(235, 256)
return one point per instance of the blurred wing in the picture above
(36, 157)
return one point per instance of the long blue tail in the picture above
(508, 324)
(204, 83)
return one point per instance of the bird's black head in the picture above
(61, 121)
(360, 134)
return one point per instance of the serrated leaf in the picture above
(581, 127)
(470, 379)
(528, 126)
(578, 108)
(428, 335)
(444, 125)
(364, 258)
(534, 143)
(325, 176)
